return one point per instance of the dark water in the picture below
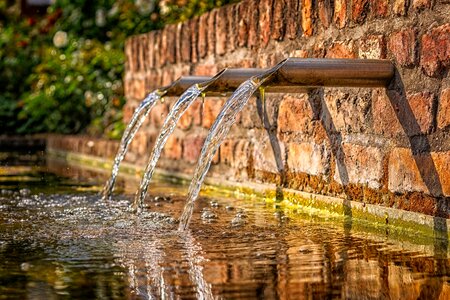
(59, 240)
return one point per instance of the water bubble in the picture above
(214, 204)
(229, 207)
(208, 215)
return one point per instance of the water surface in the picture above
(58, 239)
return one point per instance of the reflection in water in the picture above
(57, 242)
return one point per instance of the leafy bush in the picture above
(63, 72)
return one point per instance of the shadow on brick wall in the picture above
(421, 151)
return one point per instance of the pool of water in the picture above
(58, 239)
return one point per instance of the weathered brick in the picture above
(435, 52)
(399, 7)
(325, 13)
(192, 116)
(205, 69)
(292, 17)
(158, 114)
(226, 151)
(422, 106)
(385, 120)
(278, 19)
(380, 8)
(360, 9)
(340, 13)
(211, 109)
(296, 113)
(372, 47)
(307, 17)
(421, 4)
(346, 112)
(192, 146)
(253, 23)
(267, 158)
(232, 25)
(202, 43)
(359, 165)
(443, 116)
(242, 26)
(241, 155)
(193, 26)
(402, 45)
(178, 42)
(185, 44)
(425, 172)
(265, 21)
(173, 148)
(342, 50)
(211, 32)
(309, 158)
(150, 50)
(128, 110)
(157, 49)
(128, 49)
(221, 31)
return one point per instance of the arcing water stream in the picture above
(217, 134)
(183, 103)
(139, 116)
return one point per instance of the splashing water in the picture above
(139, 116)
(217, 134)
(180, 107)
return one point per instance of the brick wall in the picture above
(389, 147)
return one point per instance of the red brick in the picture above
(359, 10)
(191, 116)
(292, 18)
(185, 43)
(372, 47)
(202, 43)
(265, 159)
(150, 50)
(221, 31)
(173, 148)
(253, 23)
(422, 106)
(435, 52)
(427, 173)
(309, 158)
(359, 165)
(157, 49)
(205, 70)
(325, 13)
(380, 8)
(443, 116)
(265, 21)
(158, 114)
(341, 50)
(397, 116)
(232, 25)
(307, 17)
(241, 155)
(340, 13)
(211, 32)
(128, 110)
(192, 146)
(346, 112)
(128, 49)
(242, 26)
(279, 20)
(402, 45)
(296, 114)
(193, 26)
(385, 120)
(226, 151)
(137, 89)
(399, 7)
(178, 41)
(421, 4)
(211, 109)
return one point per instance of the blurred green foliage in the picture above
(62, 72)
